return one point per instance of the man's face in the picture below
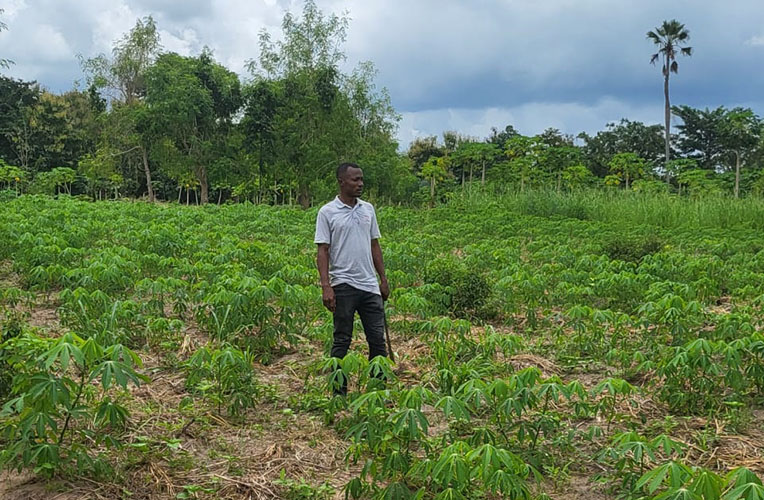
(351, 183)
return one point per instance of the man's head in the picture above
(350, 179)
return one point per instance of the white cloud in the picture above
(755, 41)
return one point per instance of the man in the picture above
(347, 236)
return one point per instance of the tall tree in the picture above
(314, 122)
(422, 149)
(740, 130)
(699, 134)
(4, 63)
(18, 101)
(261, 103)
(500, 137)
(623, 137)
(670, 39)
(471, 155)
(192, 102)
(123, 78)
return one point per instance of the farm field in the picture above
(583, 346)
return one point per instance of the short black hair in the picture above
(344, 168)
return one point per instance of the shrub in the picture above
(632, 249)
(469, 290)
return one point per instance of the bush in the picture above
(469, 290)
(7, 195)
(632, 249)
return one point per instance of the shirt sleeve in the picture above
(374, 231)
(323, 233)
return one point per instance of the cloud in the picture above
(528, 118)
(570, 61)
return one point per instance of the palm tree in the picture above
(670, 38)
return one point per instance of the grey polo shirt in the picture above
(349, 231)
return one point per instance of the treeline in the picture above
(715, 151)
(162, 125)
(147, 123)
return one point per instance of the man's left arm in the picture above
(379, 266)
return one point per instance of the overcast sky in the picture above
(448, 64)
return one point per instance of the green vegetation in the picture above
(155, 124)
(571, 317)
(544, 341)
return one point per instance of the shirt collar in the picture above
(341, 204)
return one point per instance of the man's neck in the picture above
(349, 201)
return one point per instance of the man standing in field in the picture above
(347, 236)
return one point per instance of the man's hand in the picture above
(327, 296)
(384, 289)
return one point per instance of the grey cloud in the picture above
(564, 58)
(175, 11)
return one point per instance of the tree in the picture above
(475, 154)
(699, 183)
(669, 38)
(676, 167)
(626, 136)
(500, 138)
(192, 102)
(4, 63)
(557, 153)
(576, 176)
(11, 175)
(435, 170)
(262, 99)
(324, 117)
(629, 166)
(98, 169)
(18, 101)
(740, 130)
(422, 149)
(123, 78)
(123, 75)
(39, 130)
(525, 155)
(699, 134)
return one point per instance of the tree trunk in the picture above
(180, 192)
(188, 197)
(737, 174)
(260, 170)
(147, 171)
(666, 71)
(220, 195)
(203, 184)
(482, 175)
(303, 197)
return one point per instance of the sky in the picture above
(467, 66)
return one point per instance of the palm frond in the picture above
(651, 35)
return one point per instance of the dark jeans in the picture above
(372, 313)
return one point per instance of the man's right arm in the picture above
(322, 262)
